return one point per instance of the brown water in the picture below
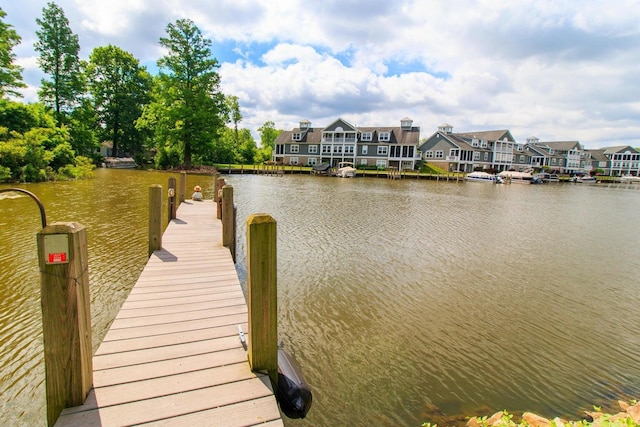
(393, 295)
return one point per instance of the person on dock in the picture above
(197, 194)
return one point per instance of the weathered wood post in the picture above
(262, 294)
(155, 218)
(220, 182)
(171, 198)
(228, 220)
(183, 186)
(216, 176)
(66, 316)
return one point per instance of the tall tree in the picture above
(189, 108)
(235, 116)
(58, 48)
(10, 73)
(120, 88)
(268, 135)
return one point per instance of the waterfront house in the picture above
(616, 161)
(564, 156)
(469, 151)
(340, 141)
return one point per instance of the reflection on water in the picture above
(392, 294)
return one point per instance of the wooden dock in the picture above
(173, 355)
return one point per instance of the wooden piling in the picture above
(220, 182)
(66, 316)
(228, 220)
(183, 187)
(172, 198)
(155, 218)
(262, 294)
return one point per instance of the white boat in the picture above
(346, 170)
(513, 177)
(484, 177)
(626, 179)
(585, 179)
(547, 177)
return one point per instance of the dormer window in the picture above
(366, 136)
(384, 136)
(297, 136)
(406, 123)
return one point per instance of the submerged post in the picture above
(262, 294)
(228, 220)
(66, 316)
(155, 218)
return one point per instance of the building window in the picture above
(363, 162)
(382, 151)
(297, 136)
(553, 161)
(337, 148)
(381, 163)
(348, 149)
(313, 149)
(326, 149)
(365, 149)
(439, 154)
(313, 161)
(396, 151)
(428, 154)
(293, 161)
(476, 155)
(366, 136)
(384, 136)
(295, 148)
(521, 159)
(486, 157)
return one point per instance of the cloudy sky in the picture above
(557, 70)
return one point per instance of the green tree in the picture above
(268, 135)
(234, 114)
(10, 73)
(189, 108)
(247, 148)
(58, 48)
(83, 128)
(120, 88)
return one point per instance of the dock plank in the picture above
(172, 356)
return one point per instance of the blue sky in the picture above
(554, 70)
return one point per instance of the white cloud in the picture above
(554, 70)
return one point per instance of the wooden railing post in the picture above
(183, 186)
(155, 218)
(172, 198)
(262, 294)
(228, 220)
(220, 182)
(66, 316)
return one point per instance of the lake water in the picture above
(394, 295)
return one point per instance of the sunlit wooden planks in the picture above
(172, 355)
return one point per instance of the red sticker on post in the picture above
(57, 258)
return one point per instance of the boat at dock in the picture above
(514, 177)
(480, 176)
(546, 177)
(627, 179)
(346, 170)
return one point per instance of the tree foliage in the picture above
(10, 73)
(188, 108)
(268, 135)
(120, 88)
(58, 48)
